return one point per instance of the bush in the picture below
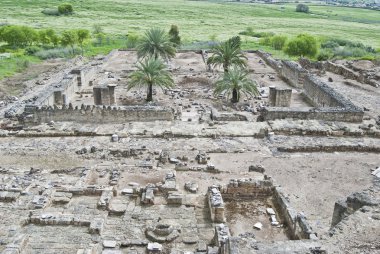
(302, 8)
(51, 12)
(302, 45)
(266, 41)
(174, 35)
(65, 9)
(278, 41)
(325, 55)
(132, 40)
(56, 53)
(249, 32)
(32, 50)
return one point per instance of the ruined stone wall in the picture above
(342, 70)
(276, 65)
(330, 105)
(247, 189)
(293, 73)
(321, 95)
(325, 114)
(95, 114)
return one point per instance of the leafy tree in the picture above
(302, 8)
(65, 9)
(19, 36)
(236, 81)
(156, 43)
(82, 35)
(151, 72)
(69, 38)
(174, 35)
(278, 41)
(302, 45)
(227, 54)
(53, 37)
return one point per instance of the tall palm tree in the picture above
(151, 72)
(228, 54)
(236, 80)
(156, 43)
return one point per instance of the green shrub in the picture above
(132, 40)
(329, 44)
(32, 50)
(51, 12)
(324, 55)
(302, 45)
(249, 32)
(65, 9)
(278, 41)
(302, 8)
(174, 35)
(266, 41)
(56, 53)
(22, 64)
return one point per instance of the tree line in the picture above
(24, 36)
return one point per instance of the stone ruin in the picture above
(87, 167)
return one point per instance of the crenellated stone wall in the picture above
(98, 114)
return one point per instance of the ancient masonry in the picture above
(88, 166)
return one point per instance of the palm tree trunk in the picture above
(235, 96)
(149, 96)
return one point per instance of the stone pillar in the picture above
(65, 99)
(272, 96)
(57, 97)
(105, 95)
(279, 97)
(97, 95)
(111, 91)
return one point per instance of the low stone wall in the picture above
(322, 95)
(216, 204)
(293, 73)
(246, 189)
(98, 114)
(223, 116)
(350, 74)
(250, 189)
(330, 105)
(352, 203)
(276, 65)
(325, 114)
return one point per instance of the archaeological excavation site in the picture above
(88, 166)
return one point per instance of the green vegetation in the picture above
(156, 43)
(121, 23)
(174, 35)
(302, 45)
(65, 9)
(197, 20)
(236, 81)
(302, 8)
(151, 72)
(228, 54)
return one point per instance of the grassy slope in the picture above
(198, 20)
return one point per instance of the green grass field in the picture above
(199, 20)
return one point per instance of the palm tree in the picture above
(156, 43)
(228, 54)
(236, 80)
(151, 72)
